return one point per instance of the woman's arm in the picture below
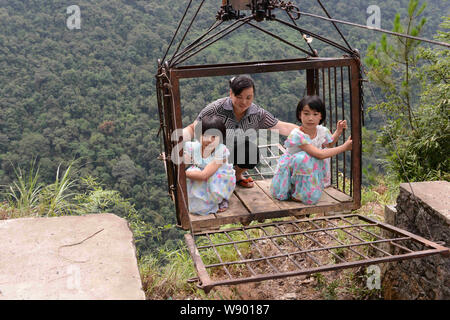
(284, 128)
(188, 132)
(206, 173)
(326, 153)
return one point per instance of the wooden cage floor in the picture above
(248, 204)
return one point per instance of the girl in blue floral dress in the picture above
(211, 179)
(301, 173)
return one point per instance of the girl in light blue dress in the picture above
(302, 172)
(210, 178)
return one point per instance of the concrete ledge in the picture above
(71, 257)
(436, 194)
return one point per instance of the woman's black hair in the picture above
(314, 103)
(241, 82)
(210, 125)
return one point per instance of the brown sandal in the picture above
(246, 183)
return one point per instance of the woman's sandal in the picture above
(246, 183)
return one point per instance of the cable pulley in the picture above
(260, 9)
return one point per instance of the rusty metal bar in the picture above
(240, 254)
(203, 275)
(309, 271)
(336, 120)
(288, 255)
(164, 86)
(379, 237)
(198, 71)
(409, 234)
(331, 120)
(393, 243)
(297, 246)
(314, 53)
(356, 131)
(320, 245)
(330, 105)
(259, 251)
(279, 236)
(180, 191)
(343, 134)
(311, 83)
(307, 254)
(316, 81)
(162, 124)
(358, 238)
(281, 255)
(340, 242)
(279, 222)
(218, 256)
(323, 85)
(351, 124)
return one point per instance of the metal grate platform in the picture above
(298, 247)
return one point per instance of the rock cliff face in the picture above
(427, 215)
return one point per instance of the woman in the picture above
(241, 116)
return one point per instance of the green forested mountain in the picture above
(89, 93)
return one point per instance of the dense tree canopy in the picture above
(89, 93)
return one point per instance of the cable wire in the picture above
(377, 29)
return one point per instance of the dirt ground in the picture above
(294, 288)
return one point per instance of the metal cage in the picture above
(336, 80)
